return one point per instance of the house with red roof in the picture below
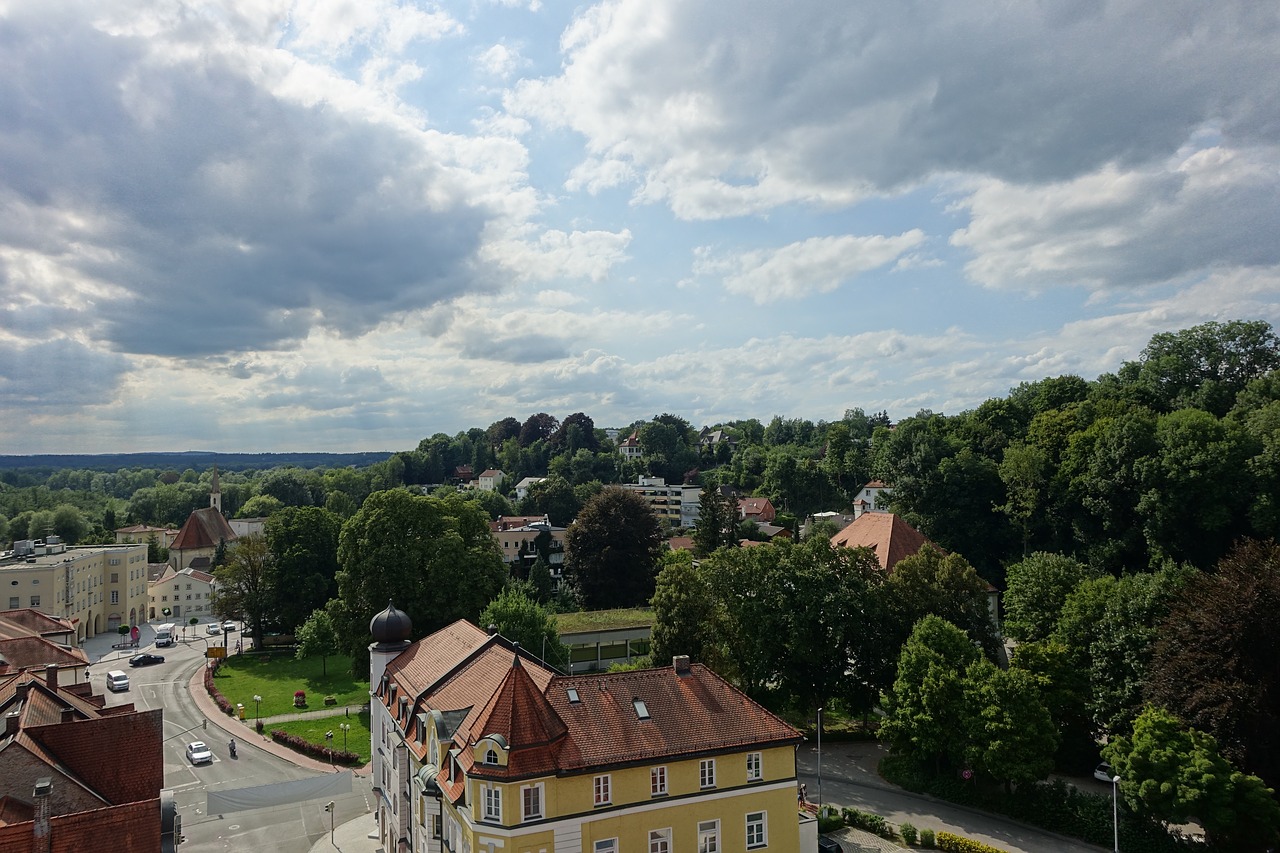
(759, 510)
(479, 745)
(885, 533)
(56, 790)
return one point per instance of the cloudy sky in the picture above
(263, 225)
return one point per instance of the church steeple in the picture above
(215, 491)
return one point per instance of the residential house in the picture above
(32, 641)
(181, 595)
(77, 775)
(463, 474)
(248, 526)
(490, 480)
(143, 532)
(713, 437)
(877, 496)
(759, 510)
(517, 538)
(479, 746)
(522, 487)
(629, 447)
(95, 588)
(678, 505)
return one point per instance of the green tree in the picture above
(317, 636)
(1038, 587)
(1214, 658)
(611, 550)
(1011, 735)
(433, 556)
(521, 619)
(1024, 470)
(304, 549)
(541, 585)
(260, 506)
(1172, 773)
(717, 521)
(684, 612)
(244, 583)
(943, 585)
(925, 709)
(155, 553)
(1066, 696)
(494, 504)
(555, 498)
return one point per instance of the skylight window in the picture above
(573, 696)
(642, 710)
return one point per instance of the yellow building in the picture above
(97, 587)
(479, 747)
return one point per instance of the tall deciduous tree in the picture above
(304, 547)
(611, 550)
(435, 557)
(1011, 735)
(684, 612)
(520, 618)
(317, 636)
(944, 585)
(1214, 660)
(244, 583)
(1038, 587)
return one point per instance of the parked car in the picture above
(228, 625)
(145, 660)
(198, 753)
(213, 628)
(1103, 772)
(829, 845)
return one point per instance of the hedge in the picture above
(958, 844)
(315, 750)
(223, 705)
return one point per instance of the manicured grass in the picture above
(598, 620)
(276, 678)
(313, 731)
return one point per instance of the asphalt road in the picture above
(849, 779)
(284, 829)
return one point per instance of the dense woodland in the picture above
(1130, 521)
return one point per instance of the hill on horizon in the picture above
(197, 459)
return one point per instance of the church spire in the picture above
(215, 491)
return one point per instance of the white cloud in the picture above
(816, 265)
(559, 254)
(499, 60)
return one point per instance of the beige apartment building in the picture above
(97, 587)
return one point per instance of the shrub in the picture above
(299, 698)
(959, 844)
(868, 822)
(223, 705)
(829, 820)
(258, 725)
(926, 839)
(908, 833)
(314, 750)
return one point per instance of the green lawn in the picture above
(276, 678)
(313, 731)
(598, 620)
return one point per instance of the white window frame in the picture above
(491, 797)
(605, 845)
(757, 825)
(602, 790)
(491, 756)
(660, 840)
(755, 766)
(658, 781)
(709, 836)
(528, 792)
(707, 773)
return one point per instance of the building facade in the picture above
(479, 747)
(96, 587)
(678, 505)
(181, 595)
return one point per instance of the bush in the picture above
(829, 820)
(908, 833)
(258, 725)
(314, 750)
(926, 839)
(959, 844)
(868, 822)
(223, 705)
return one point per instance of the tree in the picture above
(1065, 690)
(555, 498)
(434, 557)
(943, 585)
(69, 523)
(1025, 474)
(539, 427)
(1214, 658)
(925, 710)
(611, 550)
(522, 619)
(304, 548)
(317, 636)
(244, 583)
(1038, 587)
(717, 521)
(156, 554)
(1172, 773)
(1011, 735)
(683, 611)
(260, 506)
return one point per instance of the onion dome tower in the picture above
(391, 630)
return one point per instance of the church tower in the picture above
(215, 491)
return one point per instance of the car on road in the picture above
(145, 660)
(213, 628)
(228, 625)
(829, 845)
(198, 753)
(1103, 772)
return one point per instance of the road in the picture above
(284, 829)
(849, 779)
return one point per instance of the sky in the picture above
(341, 225)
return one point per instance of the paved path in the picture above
(318, 714)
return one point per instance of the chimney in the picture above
(51, 676)
(44, 787)
(11, 723)
(68, 715)
(680, 663)
(20, 690)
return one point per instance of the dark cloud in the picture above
(515, 349)
(55, 374)
(230, 219)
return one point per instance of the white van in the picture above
(117, 681)
(165, 635)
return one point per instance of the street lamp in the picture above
(346, 727)
(328, 738)
(819, 761)
(257, 702)
(1115, 812)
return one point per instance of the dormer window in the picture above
(491, 756)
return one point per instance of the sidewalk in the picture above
(318, 714)
(354, 836)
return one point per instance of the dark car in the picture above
(145, 660)
(829, 845)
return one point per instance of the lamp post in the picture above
(1115, 812)
(819, 761)
(257, 703)
(328, 739)
(346, 727)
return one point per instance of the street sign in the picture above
(215, 652)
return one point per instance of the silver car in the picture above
(198, 753)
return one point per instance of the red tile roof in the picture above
(887, 534)
(27, 622)
(37, 652)
(204, 528)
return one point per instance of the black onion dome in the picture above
(391, 626)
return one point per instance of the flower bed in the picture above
(223, 705)
(314, 750)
